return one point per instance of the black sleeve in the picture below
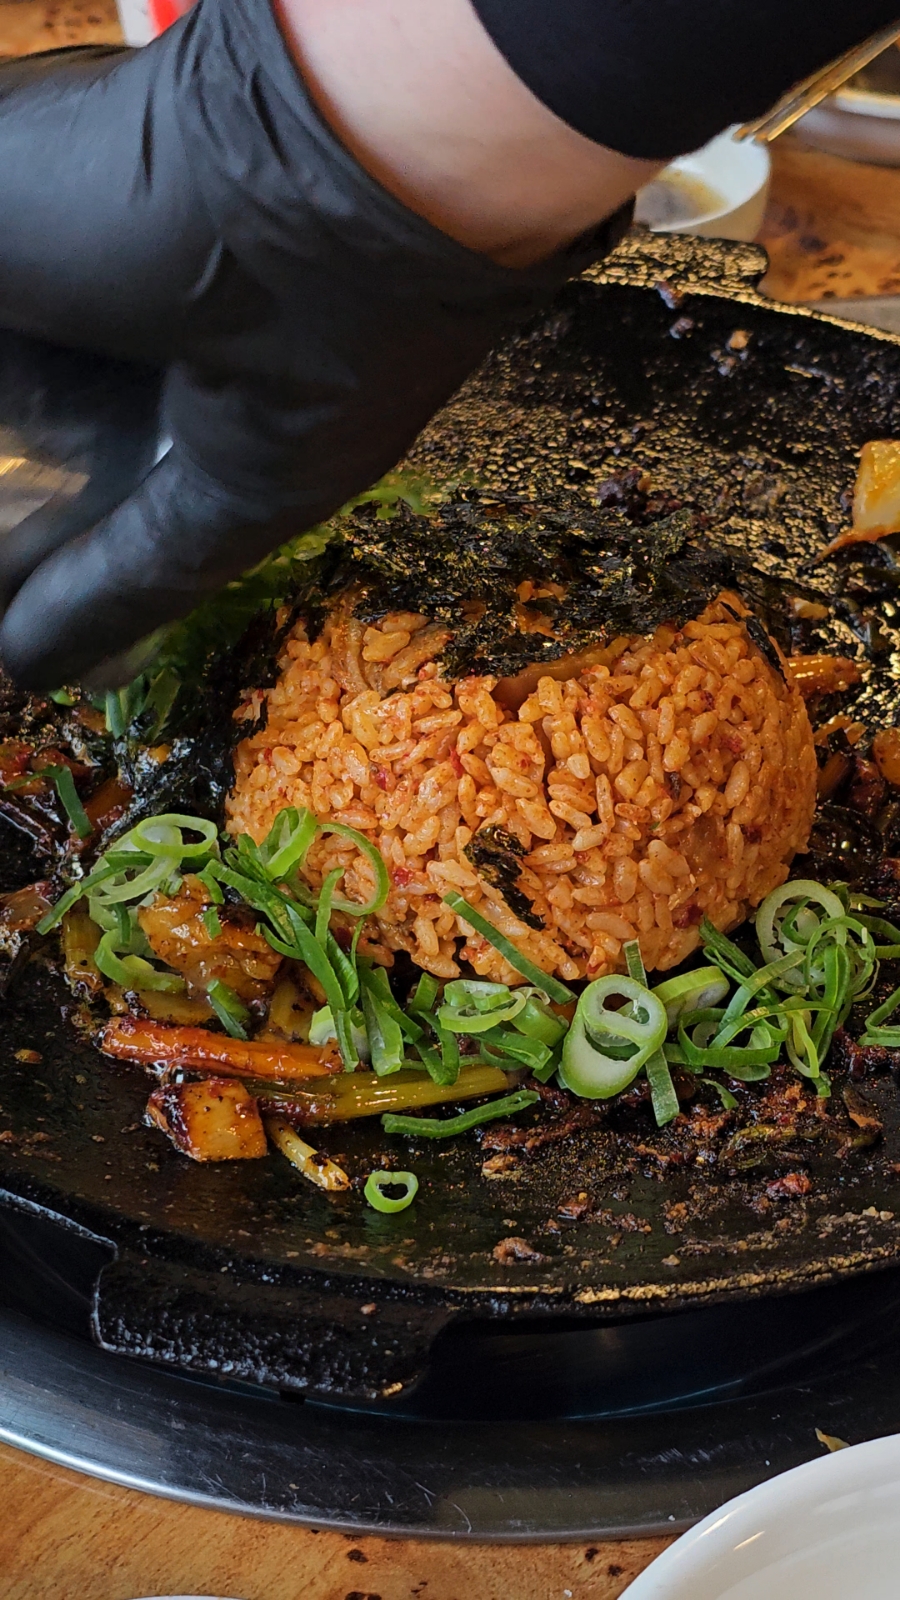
(656, 78)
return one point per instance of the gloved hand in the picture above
(186, 206)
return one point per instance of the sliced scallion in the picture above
(384, 1032)
(376, 861)
(434, 1128)
(505, 947)
(378, 1182)
(287, 842)
(425, 994)
(729, 1102)
(662, 1090)
(228, 1007)
(133, 972)
(691, 991)
(324, 905)
(64, 784)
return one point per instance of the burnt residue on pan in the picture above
(664, 365)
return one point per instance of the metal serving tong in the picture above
(803, 96)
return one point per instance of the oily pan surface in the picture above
(766, 447)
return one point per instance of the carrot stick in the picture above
(136, 1039)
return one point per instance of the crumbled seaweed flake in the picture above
(615, 577)
(496, 854)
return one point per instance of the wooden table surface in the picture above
(832, 230)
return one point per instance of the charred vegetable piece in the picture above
(133, 1039)
(238, 956)
(290, 1012)
(876, 497)
(80, 938)
(320, 1171)
(362, 1094)
(180, 1008)
(216, 1120)
(23, 909)
(822, 674)
(886, 751)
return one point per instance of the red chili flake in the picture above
(267, 757)
(753, 833)
(688, 916)
(734, 743)
(401, 876)
(380, 776)
(456, 763)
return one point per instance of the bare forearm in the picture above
(424, 100)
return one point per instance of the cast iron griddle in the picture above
(245, 1269)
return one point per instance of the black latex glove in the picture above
(185, 205)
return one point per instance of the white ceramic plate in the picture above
(829, 1530)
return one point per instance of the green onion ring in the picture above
(377, 1182)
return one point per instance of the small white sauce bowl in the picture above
(719, 191)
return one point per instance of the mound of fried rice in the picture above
(673, 777)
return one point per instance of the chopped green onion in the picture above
(62, 697)
(347, 1040)
(764, 978)
(476, 1018)
(229, 1008)
(449, 1057)
(515, 1045)
(133, 972)
(692, 991)
(425, 994)
(729, 1103)
(378, 979)
(634, 961)
(72, 896)
(303, 946)
(384, 1032)
(537, 1021)
(377, 1182)
(118, 713)
(433, 1128)
(163, 836)
(738, 1060)
(550, 1068)
(323, 1029)
(662, 1090)
(376, 859)
(726, 953)
(212, 885)
(875, 1031)
(211, 922)
(64, 784)
(323, 908)
(287, 842)
(783, 926)
(605, 1049)
(519, 962)
(344, 966)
